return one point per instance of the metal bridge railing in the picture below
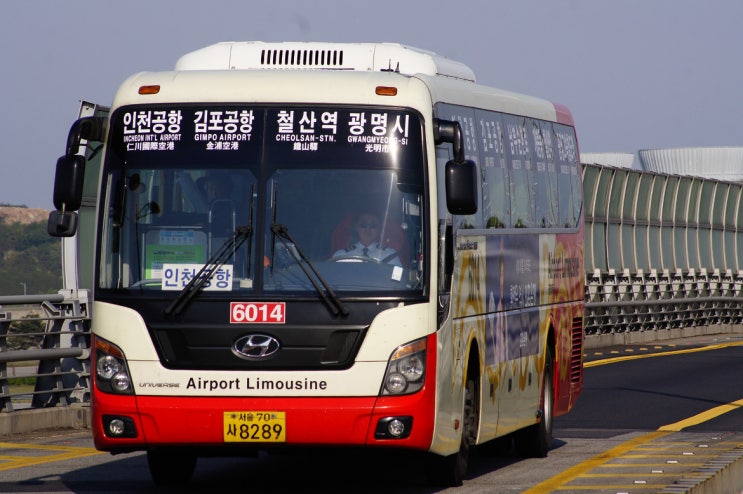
(630, 301)
(49, 335)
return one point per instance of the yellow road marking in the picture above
(570, 474)
(612, 487)
(614, 360)
(631, 475)
(67, 453)
(45, 447)
(644, 465)
(702, 417)
(581, 470)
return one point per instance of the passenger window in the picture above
(570, 192)
(520, 173)
(492, 163)
(546, 181)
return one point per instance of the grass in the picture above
(21, 389)
(22, 381)
(21, 385)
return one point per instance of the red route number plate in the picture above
(255, 427)
(257, 312)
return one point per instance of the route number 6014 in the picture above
(257, 312)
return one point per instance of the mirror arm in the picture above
(450, 131)
(89, 128)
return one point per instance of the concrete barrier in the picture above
(723, 475)
(657, 335)
(38, 419)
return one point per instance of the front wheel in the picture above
(169, 468)
(450, 470)
(536, 440)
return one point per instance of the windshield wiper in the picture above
(326, 293)
(216, 261)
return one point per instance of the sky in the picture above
(636, 74)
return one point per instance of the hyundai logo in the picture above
(256, 346)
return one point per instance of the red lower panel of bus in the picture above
(152, 421)
(566, 397)
(160, 421)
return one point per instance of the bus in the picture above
(325, 245)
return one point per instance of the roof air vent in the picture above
(301, 58)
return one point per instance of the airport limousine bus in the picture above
(316, 244)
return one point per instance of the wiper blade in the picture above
(216, 261)
(326, 293)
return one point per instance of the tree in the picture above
(29, 255)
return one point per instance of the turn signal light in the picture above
(386, 91)
(153, 89)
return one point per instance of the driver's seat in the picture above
(393, 236)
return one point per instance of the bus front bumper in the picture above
(145, 422)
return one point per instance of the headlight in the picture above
(406, 369)
(395, 383)
(121, 382)
(107, 366)
(111, 371)
(412, 367)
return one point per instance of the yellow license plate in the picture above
(255, 427)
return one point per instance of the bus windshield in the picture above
(297, 199)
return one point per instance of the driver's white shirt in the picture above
(373, 250)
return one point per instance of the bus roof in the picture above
(257, 55)
(255, 71)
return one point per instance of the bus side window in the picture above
(492, 162)
(570, 192)
(468, 123)
(520, 173)
(545, 180)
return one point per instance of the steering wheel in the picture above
(355, 257)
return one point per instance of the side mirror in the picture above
(461, 187)
(68, 183)
(69, 177)
(460, 174)
(62, 224)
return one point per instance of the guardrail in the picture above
(632, 301)
(44, 350)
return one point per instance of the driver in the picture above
(365, 241)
